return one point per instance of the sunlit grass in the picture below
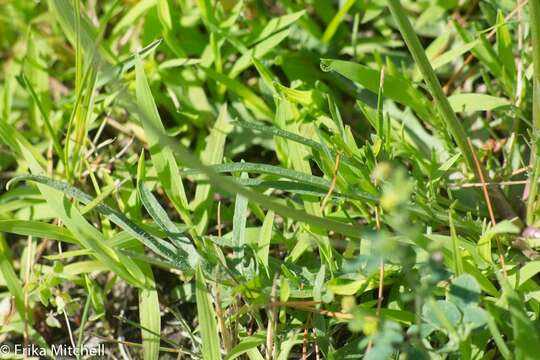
(270, 180)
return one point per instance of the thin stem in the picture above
(490, 208)
(534, 9)
(29, 264)
(83, 325)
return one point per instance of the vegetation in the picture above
(312, 179)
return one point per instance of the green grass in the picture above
(212, 179)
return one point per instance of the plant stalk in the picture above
(534, 10)
(447, 113)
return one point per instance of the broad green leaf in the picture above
(345, 287)
(458, 262)
(442, 314)
(292, 339)
(268, 78)
(395, 88)
(498, 339)
(526, 340)
(475, 316)
(464, 291)
(44, 115)
(524, 273)
(267, 169)
(404, 317)
(37, 229)
(447, 165)
(239, 219)
(476, 102)
(247, 343)
(303, 97)
(173, 63)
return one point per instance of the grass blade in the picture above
(12, 281)
(89, 237)
(37, 229)
(207, 319)
(231, 187)
(149, 314)
(469, 102)
(336, 21)
(278, 23)
(162, 157)
(239, 227)
(395, 88)
(534, 8)
(448, 115)
(263, 246)
(302, 178)
(157, 245)
(445, 109)
(48, 126)
(212, 154)
(188, 253)
(255, 102)
(257, 52)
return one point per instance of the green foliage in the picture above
(216, 179)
